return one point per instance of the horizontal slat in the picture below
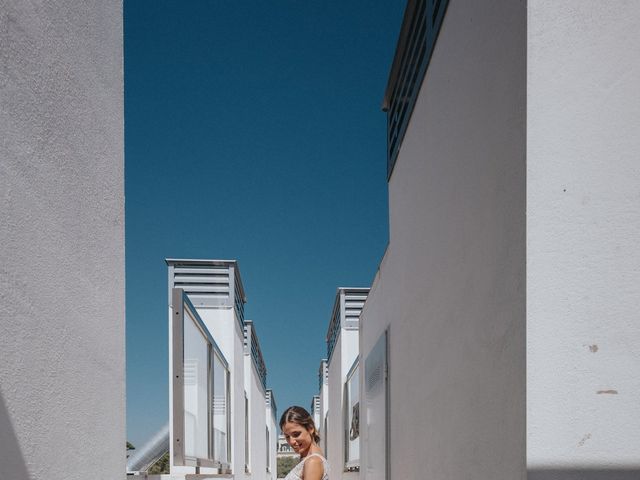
(201, 271)
(203, 288)
(356, 298)
(354, 305)
(201, 279)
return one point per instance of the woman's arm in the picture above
(313, 469)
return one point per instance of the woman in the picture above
(301, 433)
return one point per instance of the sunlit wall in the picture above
(62, 358)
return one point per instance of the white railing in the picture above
(201, 420)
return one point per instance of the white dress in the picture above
(296, 472)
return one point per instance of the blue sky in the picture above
(253, 131)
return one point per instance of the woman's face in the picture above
(298, 437)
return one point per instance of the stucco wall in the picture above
(237, 405)
(583, 232)
(257, 421)
(324, 408)
(62, 370)
(451, 287)
(344, 354)
(272, 423)
(334, 401)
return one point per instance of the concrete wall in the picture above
(324, 408)
(224, 329)
(257, 421)
(316, 418)
(344, 354)
(451, 288)
(62, 370)
(237, 402)
(583, 232)
(334, 423)
(272, 424)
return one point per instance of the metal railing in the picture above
(420, 28)
(323, 373)
(198, 368)
(252, 347)
(334, 328)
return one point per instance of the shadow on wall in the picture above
(592, 474)
(12, 464)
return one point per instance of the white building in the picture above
(62, 292)
(342, 448)
(255, 394)
(323, 394)
(284, 449)
(215, 291)
(272, 436)
(218, 411)
(315, 411)
(499, 337)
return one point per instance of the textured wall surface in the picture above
(344, 354)
(324, 407)
(451, 287)
(272, 423)
(583, 233)
(62, 367)
(334, 399)
(257, 421)
(237, 401)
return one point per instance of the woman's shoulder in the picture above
(315, 458)
(316, 463)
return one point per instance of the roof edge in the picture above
(400, 47)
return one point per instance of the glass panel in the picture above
(220, 409)
(246, 431)
(267, 450)
(196, 412)
(325, 432)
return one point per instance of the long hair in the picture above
(300, 416)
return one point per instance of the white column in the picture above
(583, 233)
(62, 322)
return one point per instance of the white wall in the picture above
(316, 419)
(257, 421)
(223, 326)
(272, 423)
(62, 370)
(324, 406)
(350, 344)
(344, 354)
(334, 426)
(451, 287)
(583, 224)
(237, 404)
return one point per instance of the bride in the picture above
(300, 432)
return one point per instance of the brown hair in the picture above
(300, 416)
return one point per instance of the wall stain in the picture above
(593, 348)
(584, 439)
(608, 392)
